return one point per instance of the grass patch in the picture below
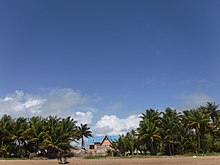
(96, 157)
(121, 157)
(13, 158)
(202, 154)
(151, 156)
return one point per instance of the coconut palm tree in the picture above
(69, 128)
(197, 119)
(186, 140)
(5, 135)
(19, 136)
(149, 132)
(120, 145)
(35, 134)
(59, 135)
(84, 131)
(170, 123)
(6, 127)
(213, 111)
(151, 115)
(131, 141)
(51, 135)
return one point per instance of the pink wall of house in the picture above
(106, 142)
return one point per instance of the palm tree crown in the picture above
(84, 131)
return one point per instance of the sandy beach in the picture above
(178, 160)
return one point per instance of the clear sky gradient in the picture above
(124, 56)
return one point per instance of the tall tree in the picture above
(212, 109)
(170, 123)
(51, 135)
(197, 119)
(151, 115)
(6, 127)
(35, 133)
(84, 131)
(18, 135)
(120, 145)
(5, 135)
(149, 132)
(59, 135)
(131, 141)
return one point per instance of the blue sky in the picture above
(107, 60)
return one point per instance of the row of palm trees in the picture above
(172, 132)
(165, 133)
(51, 136)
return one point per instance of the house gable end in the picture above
(106, 141)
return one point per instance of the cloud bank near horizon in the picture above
(68, 102)
(57, 102)
(63, 103)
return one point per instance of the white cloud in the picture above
(60, 102)
(67, 102)
(83, 117)
(20, 104)
(194, 101)
(112, 125)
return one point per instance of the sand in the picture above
(178, 160)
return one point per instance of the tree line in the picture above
(173, 133)
(159, 133)
(49, 137)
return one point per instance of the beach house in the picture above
(99, 145)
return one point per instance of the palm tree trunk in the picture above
(202, 139)
(199, 145)
(173, 148)
(82, 143)
(132, 151)
(170, 149)
(152, 150)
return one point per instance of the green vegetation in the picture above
(194, 131)
(190, 132)
(95, 157)
(48, 137)
(83, 131)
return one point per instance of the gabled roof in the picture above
(100, 139)
(106, 137)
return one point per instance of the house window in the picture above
(91, 147)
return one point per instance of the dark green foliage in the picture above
(41, 136)
(171, 132)
(83, 131)
(149, 131)
(159, 133)
(170, 124)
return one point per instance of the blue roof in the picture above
(93, 139)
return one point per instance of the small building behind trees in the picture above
(99, 145)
